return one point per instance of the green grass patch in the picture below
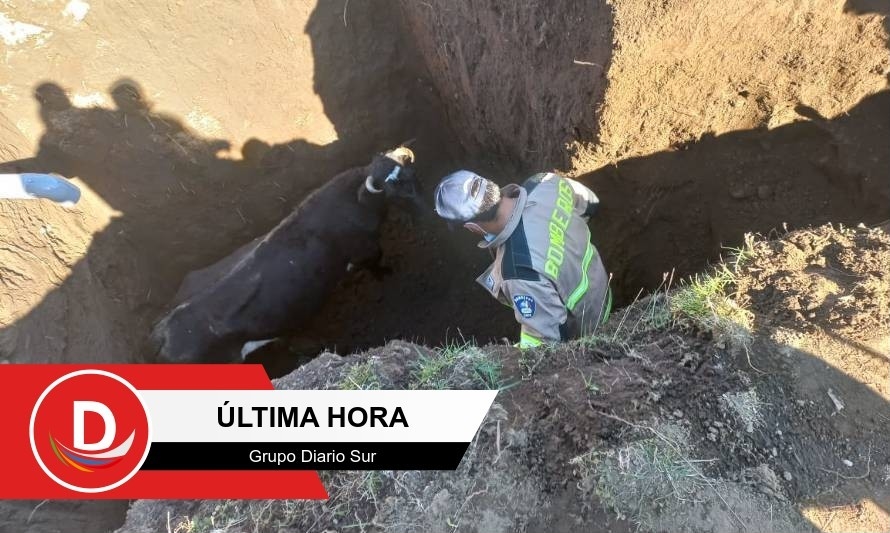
(433, 371)
(488, 372)
(641, 479)
(590, 385)
(706, 299)
(361, 376)
(456, 366)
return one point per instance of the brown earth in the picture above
(193, 128)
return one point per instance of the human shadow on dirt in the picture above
(151, 170)
(178, 203)
(154, 172)
(182, 205)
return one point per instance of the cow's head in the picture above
(392, 174)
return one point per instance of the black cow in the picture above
(280, 280)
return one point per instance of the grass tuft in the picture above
(488, 372)
(361, 377)
(434, 370)
(637, 480)
(454, 366)
(590, 385)
(707, 300)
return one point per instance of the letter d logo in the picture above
(81, 408)
(90, 431)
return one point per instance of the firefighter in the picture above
(545, 267)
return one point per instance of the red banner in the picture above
(81, 432)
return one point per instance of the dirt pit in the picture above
(162, 197)
(192, 130)
(177, 175)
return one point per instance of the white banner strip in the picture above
(287, 416)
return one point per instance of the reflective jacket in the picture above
(545, 266)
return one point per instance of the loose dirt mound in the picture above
(825, 292)
(671, 418)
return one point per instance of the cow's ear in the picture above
(402, 154)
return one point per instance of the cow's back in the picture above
(282, 278)
(199, 280)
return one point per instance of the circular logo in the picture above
(90, 431)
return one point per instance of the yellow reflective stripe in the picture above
(528, 341)
(582, 287)
(608, 306)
